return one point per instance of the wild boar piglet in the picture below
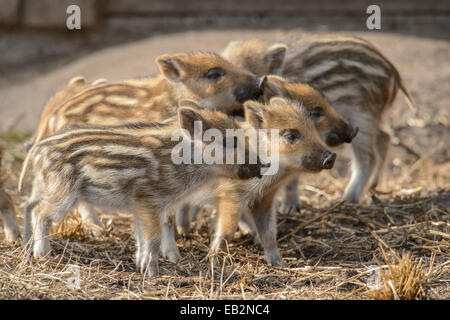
(128, 168)
(358, 81)
(293, 146)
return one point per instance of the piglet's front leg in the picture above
(169, 248)
(9, 219)
(148, 240)
(290, 203)
(227, 218)
(265, 222)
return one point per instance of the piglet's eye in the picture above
(316, 112)
(291, 135)
(214, 74)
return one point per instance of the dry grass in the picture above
(404, 279)
(333, 250)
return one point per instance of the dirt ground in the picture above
(332, 249)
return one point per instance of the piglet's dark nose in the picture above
(329, 158)
(352, 132)
(261, 83)
(262, 165)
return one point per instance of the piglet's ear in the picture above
(190, 119)
(99, 81)
(254, 114)
(76, 82)
(274, 87)
(188, 103)
(278, 101)
(171, 66)
(275, 57)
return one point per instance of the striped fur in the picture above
(149, 99)
(125, 168)
(355, 78)
(302, 152)
(7, 211)
(331, 126)
(344, 68)
(75, 85)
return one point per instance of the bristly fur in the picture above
(146, 99)
(357, 80)
(7, 209)
(125, 168)
(256, 196)
(204, 52)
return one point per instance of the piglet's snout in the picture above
(265, 165)
(328, 159)
(262, 165)
(352, 132)
(261, 83)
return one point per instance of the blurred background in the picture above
(39, 55)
